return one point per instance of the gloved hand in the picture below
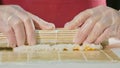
(96, 25)
(19, 25)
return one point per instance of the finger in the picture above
(28, 23)
(83, 16)
(30, 31)
(18, 28)
(86, 29)
(29, 26)
(11, 37)
(9, 33)
(40, 23)
(79, 19)
(96, 31)
(99, 28)
(104, 36)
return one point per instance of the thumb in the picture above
(79, 19)
(40, 23)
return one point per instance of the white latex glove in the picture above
(96, 25)
(19, 25)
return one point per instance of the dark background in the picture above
(114, 4)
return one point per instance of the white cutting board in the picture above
(115, 50)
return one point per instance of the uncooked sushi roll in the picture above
(91, 47)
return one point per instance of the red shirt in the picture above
(56, 11)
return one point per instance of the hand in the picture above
(19, 25)
(96, 25)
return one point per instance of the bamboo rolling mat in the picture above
(55, 56)
(59, 36)
(48, 37)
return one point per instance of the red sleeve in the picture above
(56, 11)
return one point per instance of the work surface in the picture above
(95, 59)
(105, 58)
(105, 55)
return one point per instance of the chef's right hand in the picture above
(96, 25)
